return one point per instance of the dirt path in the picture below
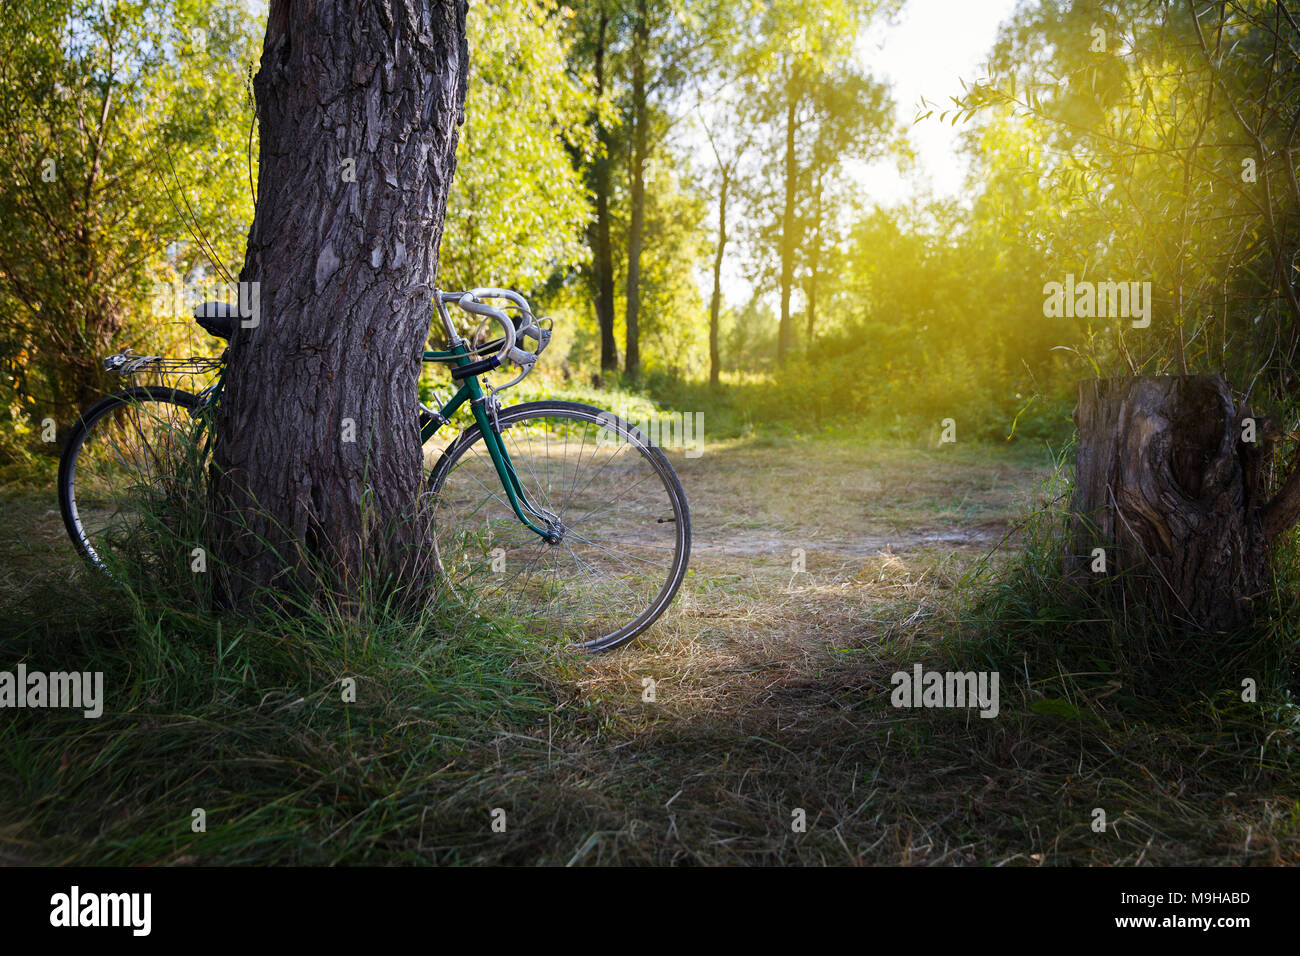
(852, 498)
(816, 526)
(867, 518)
(885, 532)
(819, 568)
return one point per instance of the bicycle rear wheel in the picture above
(624, 530)
(129, 461)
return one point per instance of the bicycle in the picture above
(526, 525)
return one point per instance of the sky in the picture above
(932, 46)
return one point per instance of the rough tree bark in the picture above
(1169, 483)
(318, 462)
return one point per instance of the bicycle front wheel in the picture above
(622, 530)
(129, 464)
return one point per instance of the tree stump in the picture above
(1169, 482)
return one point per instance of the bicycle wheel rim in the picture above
(626, 539)
(130, 455)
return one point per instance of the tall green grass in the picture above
(319, 732)
(845, 396)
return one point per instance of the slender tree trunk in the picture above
(811, 325)
(318, 463)
(814, 267)
(715, 302)
(603, 255)
(787, 224)
(1169, 508)
(598, 232)
(640, 140)
(814, 264)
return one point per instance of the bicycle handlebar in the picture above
(471, 302)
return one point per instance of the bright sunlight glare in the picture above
(926, 53)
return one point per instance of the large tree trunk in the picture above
(1165, 484)
(636, 225)
(318, 462)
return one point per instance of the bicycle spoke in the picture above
(127, 467)
(594, 586)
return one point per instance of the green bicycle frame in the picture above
(471, 391)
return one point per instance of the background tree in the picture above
(795, 62)
(595, 43)
(846, 110)
(1168, 168)
(673, 332)
(672, 43)
(517, 207)
(638, 55)
(121, 130)
(727, 158)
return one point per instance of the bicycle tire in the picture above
(674, 498)
(84, 428)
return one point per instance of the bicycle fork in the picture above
(485, 414)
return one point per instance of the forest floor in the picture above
(819, 569)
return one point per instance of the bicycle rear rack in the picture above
(127, 363)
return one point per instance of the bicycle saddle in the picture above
(217, 318)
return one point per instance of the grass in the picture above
(772, 694)
(248, 722)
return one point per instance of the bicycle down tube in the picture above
(471, 391)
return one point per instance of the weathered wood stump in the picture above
(1169, 482)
